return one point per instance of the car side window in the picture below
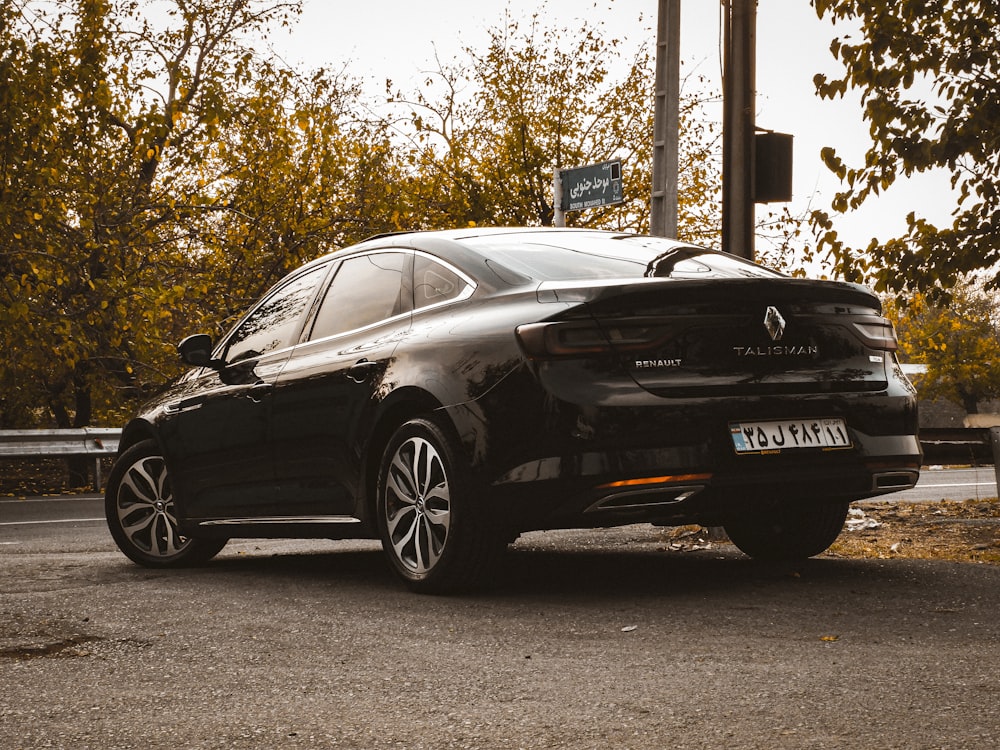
(434, 283)
(365, 290)
(274, 323)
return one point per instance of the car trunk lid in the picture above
(680, 338)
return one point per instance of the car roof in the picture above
(449, 242)
(471, 249)
(474, 232)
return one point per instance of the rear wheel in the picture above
(139, 507)
(435, 526)
(788, 530)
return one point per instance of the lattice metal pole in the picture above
(666, 116)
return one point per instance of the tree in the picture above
(291, 174)
(958, 342)
(155, 180)
(158, 173)
(104, 121)
(487, 132)
(949, 49)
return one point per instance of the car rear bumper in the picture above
(621, 466)
(681, 478)
(553, 463)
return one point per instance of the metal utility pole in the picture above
(738, 103)
(995, 442)
(666, 114)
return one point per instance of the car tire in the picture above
(789, 530)
(435, 526)
(139, 507)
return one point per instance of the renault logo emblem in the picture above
(774, 323)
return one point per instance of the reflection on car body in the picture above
(446, 391)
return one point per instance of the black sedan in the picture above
(446, 391)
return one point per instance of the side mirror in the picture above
(196, 350)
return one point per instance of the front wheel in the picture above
(139, 507)
(436, 530)
(788, 530)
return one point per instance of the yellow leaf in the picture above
(829, 638)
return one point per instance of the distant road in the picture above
(951, 484)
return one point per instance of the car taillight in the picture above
(877, 333)
(545, 340)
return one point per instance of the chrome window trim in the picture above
(470, 288)
(356, 330)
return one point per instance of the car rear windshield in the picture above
(570, 256)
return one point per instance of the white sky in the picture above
(396, 39)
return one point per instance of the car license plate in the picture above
(789, 434)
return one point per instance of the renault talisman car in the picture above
(446, 391)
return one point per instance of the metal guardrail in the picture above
(950, 445)
(979, 446)
(96, 442)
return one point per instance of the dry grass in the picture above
(966, 531)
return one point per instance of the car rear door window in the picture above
(365, 290)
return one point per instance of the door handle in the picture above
(360, 370)
(258, 391)
(191, 404)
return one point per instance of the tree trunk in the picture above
(79, 466)
(969, 402)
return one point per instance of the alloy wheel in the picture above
(145, 509)
(417, 505)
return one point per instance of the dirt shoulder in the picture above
(966, 531)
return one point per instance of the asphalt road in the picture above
(604, 639)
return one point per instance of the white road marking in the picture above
(55, 520)
(968, 484)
